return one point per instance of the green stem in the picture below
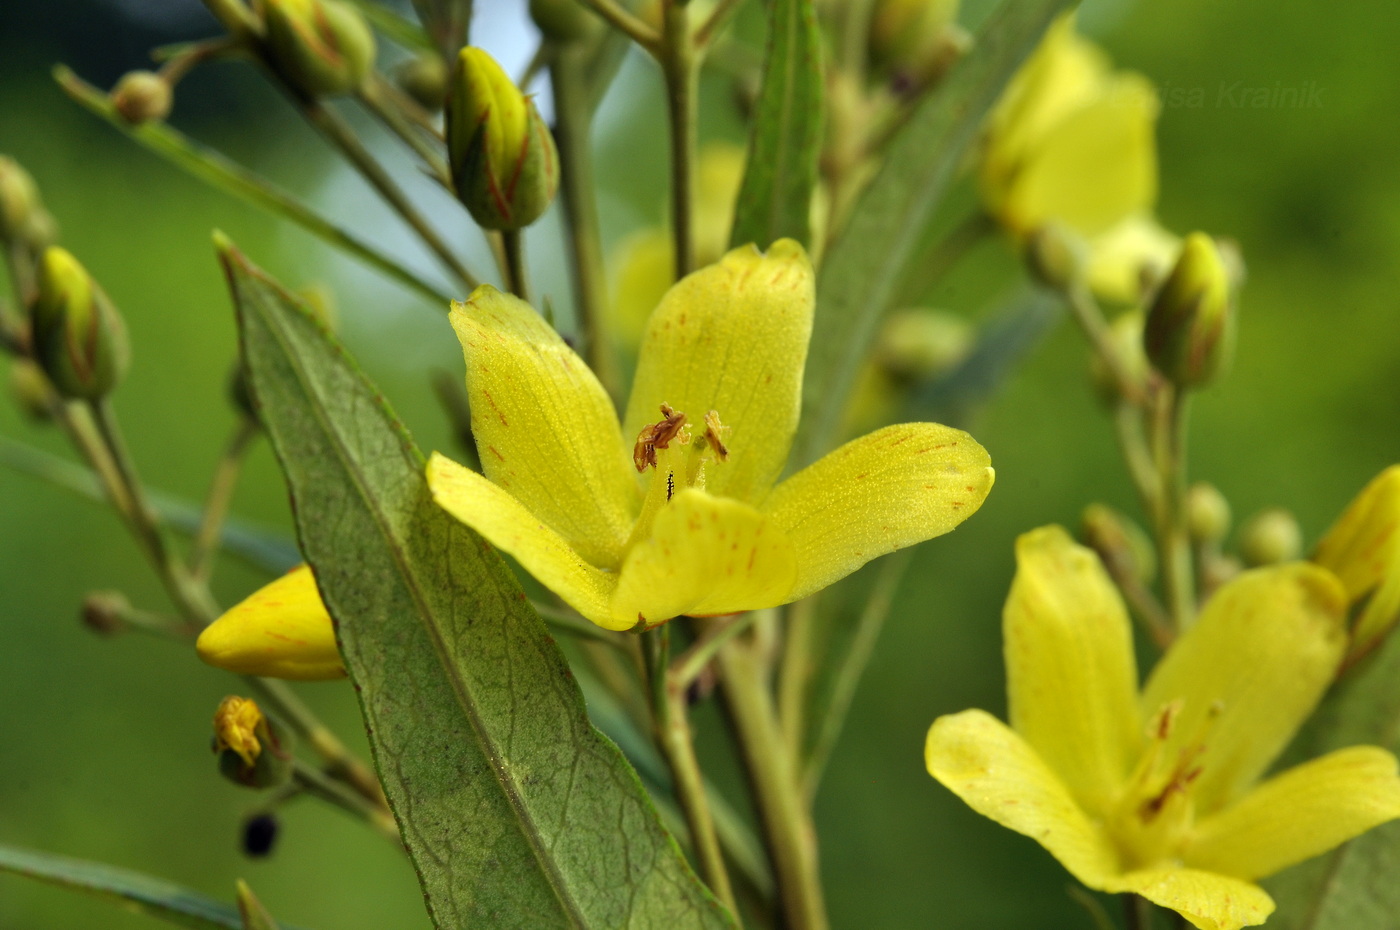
(340, 763)
(1173, 540)
(795, 673)
(373, 93)
(718, 17)
(677, 744)
(573, 120)
(216, 504)
(1137, 912)
(338, 795)
(627, 23)
(399, 28)
(517, 282)
(777, 791)
(1089, 316)
(219, 172)
(679, 67)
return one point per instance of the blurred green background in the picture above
(103, 743)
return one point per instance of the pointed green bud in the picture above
(504, 163)
(30, 390)
(424, 78)
(105, 612)
(1123, 546)
(1190, 329)
(19, 201)
(917, 345)
(564, 20)
(1207, 513)
(79, 338)
(142, 96)
(1270, 537)
(255, 915)
(254, 750)
(323, 48)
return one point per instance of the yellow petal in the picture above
(1096, 167)
(281, 631)
(1070, 671)
(886, 490)
(1132, 252)
(545, 428)
(645, 269)
(999, 775)
(506, 523)
(1249, 672)
(732, 338)
(1208, 900)
(1363, 549)
(706, 555)
(1299, 814)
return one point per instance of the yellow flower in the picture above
(1363, 549)
(281, 630)
(714, 406)
(1072, 141)
(236, 726)
(1159, 793)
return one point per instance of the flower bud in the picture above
(255, 915)
(79, 338)
(1270, 537)
(1207, 513)
(504, 164)
(1363, 549)
(104, 612)
(1126, 334)
(30, 389)
(19, 201)
(142, 96)
(424, 78)
(1190, 329)
(917, 345)
(282, 631)
(323, 48)
(908, 38)
(260, 835)
(1123, 546)
(564, 20)
(1056, 256)
(253, 749)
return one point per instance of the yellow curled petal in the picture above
(508, 525)
(1363, 549)
(732, 337)
(1300, 813)
(1000, 776)
(705, 556)
(1133, 252)
(886, 490)
(545, 428)
(1071, 677)
(1208, 900)
(281, 631)
(1249, 673)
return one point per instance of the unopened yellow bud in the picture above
(909, 38)
(253, 751)
(323, 48)
(1207, 513)
(19, 201)
(564, 20)
(424, 78)
(79, 338)
(1363, 549)
(1190, 329)
(1122, 545)
(30, 390)
(504, 164)
(142, 96)
(281, 631)
(917, 345)
(1270, 537)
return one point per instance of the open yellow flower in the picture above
(1159, 793)
(1072, 142)
(702, 530)
(1363, 549)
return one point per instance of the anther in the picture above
(657, 436)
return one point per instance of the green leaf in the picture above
(1353, 887)
(515, 810)
(864, 266)
(132, 890)
(776, 197)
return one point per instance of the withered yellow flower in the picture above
(236, 724)
(1161, 793)
(1363, 549)
(282, 630)
(704, 528)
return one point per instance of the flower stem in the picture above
(374, 94)
(206, 541)
(513, 242)
(626, 22)
(1173, 542)
(777, 790)
(573, 118)
(1137, 912)
(1089, 316)
(678, 65)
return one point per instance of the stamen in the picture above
(714, 431)
(657, 436)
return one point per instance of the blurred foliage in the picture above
(106, 740)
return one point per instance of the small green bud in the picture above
(917, 345)
(254, 750)
(424, 78)
(30, 390)
(255, 915)
(564, 20)
(1124, 547)
(1270, 537)
(1126, 334)
(142, 96)
(79, 338)
(19, 201)
(324, 48)
(908, 39)
(105, 612)
(1207, 513)
(1056, 256)
(1190, 329)
(504, 164)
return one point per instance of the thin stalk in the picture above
(1089, 316)
(561, 620)
(676, 741)
(692, 663)
(1173, 540)
(399, 28)
(340, 763)
(225, 175)
(583, 238)
(627, 23)
(1137, 912)
(334, 128)
(777, 791)
(795, 673)
(372, 93)
(377, 818)
(517, 281)
(216, 504)
(718, 17)
(1132, 443)
(679, 67)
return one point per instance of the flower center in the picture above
(676, 458)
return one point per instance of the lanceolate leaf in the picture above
(864, 266)
(131, 890)
(776, 197)
(1353, 887)
(515, 811)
